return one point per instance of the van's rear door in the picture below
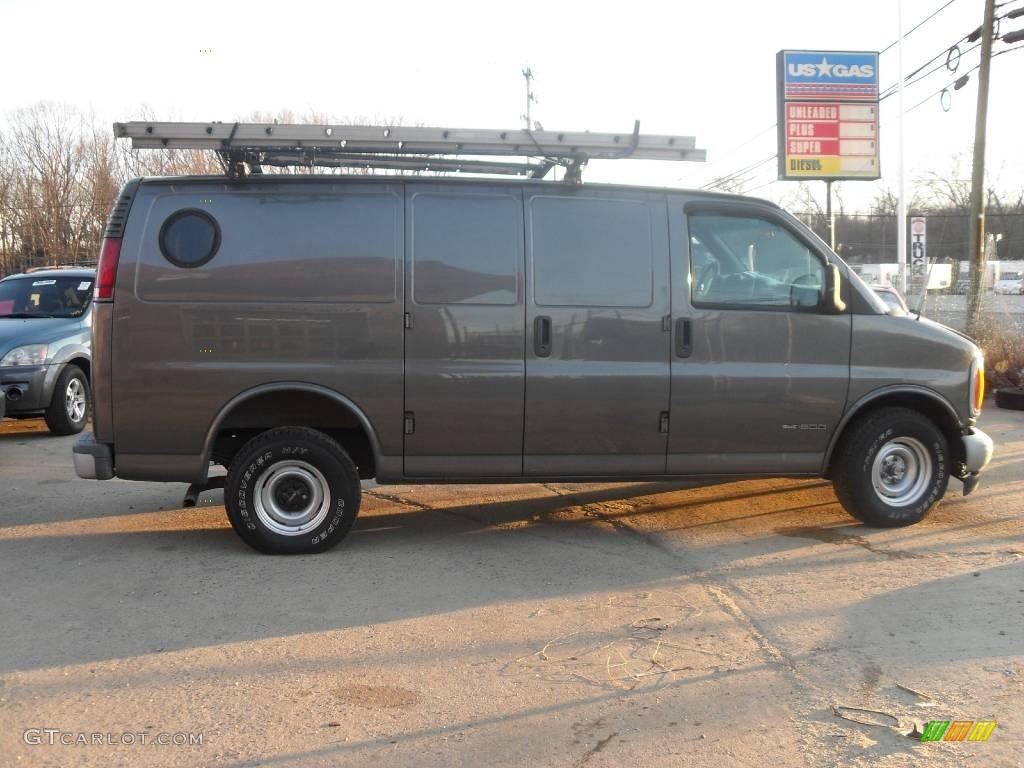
(465, 318)
(597, 356)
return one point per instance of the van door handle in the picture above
(542, 336)
(684, 337)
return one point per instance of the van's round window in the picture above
(189, 238)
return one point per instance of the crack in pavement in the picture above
(399, 500)
(719, 589)
(722, 592)
(832, 536)
(596, 748)
(534, 530)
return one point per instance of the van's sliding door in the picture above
(465, 319)
(597, 353)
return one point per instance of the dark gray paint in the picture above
(193, 356)
(901, 350)
(320, 308)
(762, 368)
(464, 348)
(594, 405)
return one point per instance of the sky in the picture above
(694, 68)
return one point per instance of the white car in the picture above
(1010, 283)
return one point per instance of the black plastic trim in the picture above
(119, 214)
(177, 216)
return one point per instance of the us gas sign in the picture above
(828, 115)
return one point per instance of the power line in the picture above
(907, 81)
(753, 138)
(962, 77)
(723, 180)
(919, 24)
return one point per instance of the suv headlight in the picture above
(30, 354)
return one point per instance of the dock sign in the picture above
(828, 115)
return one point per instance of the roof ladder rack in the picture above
(251, 146)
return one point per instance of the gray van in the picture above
(45, 346)
(307, 332)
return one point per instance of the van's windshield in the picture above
(31, 297)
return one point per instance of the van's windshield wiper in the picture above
(24, 315)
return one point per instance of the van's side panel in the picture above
(598, 274)
(305, 287)
(464, 365)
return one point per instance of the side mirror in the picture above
(834, 289)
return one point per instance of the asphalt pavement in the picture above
(513, 625)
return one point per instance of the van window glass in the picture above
(284, 243)
(748, 261)
(590, 252)
(189, 238)
(466, 249)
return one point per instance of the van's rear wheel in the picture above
(892, 468)
(292, 490)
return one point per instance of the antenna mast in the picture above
(531, 98)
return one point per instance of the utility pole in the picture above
(977, 216)
(901, 202)
(828, 215)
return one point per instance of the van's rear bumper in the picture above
(93, 461)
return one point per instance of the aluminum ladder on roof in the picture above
(406, 148)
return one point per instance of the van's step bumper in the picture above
(978, 449)
(93, 461)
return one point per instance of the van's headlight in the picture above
(30, 354)
(977, 385)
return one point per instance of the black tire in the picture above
(1011, 399)
(59, 417)
(905, 439)
(292, 490)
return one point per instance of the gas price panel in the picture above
(828, 115)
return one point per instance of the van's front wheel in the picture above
(292, 490)
(892, 468)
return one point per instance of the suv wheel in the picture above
(68, 411)
(292, 490)
(892, 468)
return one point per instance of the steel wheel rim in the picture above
(291, 498)
(901, 471)
(74, 400)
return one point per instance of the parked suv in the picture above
(308, 332)
(45, 346)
